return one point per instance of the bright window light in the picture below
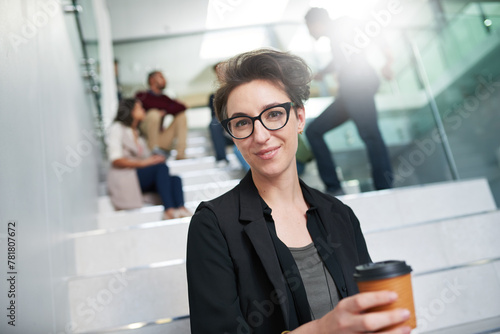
(303, 42)
(354, 8)
(225, 44)
(238, 13)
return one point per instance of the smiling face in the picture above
(269, 153)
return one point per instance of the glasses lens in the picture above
(240, 127)
(274, 118)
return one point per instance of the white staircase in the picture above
(130, 272)
(450, 234)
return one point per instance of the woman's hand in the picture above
(348, 316)
(133, 163)
(153, 160)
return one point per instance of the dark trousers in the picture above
(156, 178)
(219, 140)
(361, 109)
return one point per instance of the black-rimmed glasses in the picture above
(272, 118)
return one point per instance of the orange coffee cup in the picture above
(390, 275)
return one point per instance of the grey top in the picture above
(320, 288)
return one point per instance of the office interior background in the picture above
(80, 267)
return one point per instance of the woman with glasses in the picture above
(274, 255)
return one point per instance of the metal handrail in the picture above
(87, 62)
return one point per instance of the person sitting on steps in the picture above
(157, 106)
(134, 170)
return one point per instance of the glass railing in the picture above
(457, 67)
(448, 56)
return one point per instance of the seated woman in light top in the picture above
(134, 171)
(274, 255)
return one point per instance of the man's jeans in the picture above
(361, 109)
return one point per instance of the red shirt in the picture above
(152, 101)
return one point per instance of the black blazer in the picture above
(235, 282)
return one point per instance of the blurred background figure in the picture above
(134, 171)
(220, 139)
(119, 88)
(157, 106)
(358, 84)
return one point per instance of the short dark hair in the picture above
(124, 114)
(316, 14)
(152, 74)
(282, 68)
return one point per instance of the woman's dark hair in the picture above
(124, 114)
(281, 68)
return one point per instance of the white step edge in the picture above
(416, 204)
(431, 246)
(152, 243)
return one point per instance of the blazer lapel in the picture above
(257, 232)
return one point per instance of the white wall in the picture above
(44, 112)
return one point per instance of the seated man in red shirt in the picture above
(157, 106)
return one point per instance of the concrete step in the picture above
(458, 298)
(127, 297)
(412, 205)
(206, 191)
(198, 138)
(485, 326)
(122, 218)
(162, 326)
(112, 250)
(211, 175)
(128, 218)
(436, 245)
(193, 152)
(178, 167)
(104, 205)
